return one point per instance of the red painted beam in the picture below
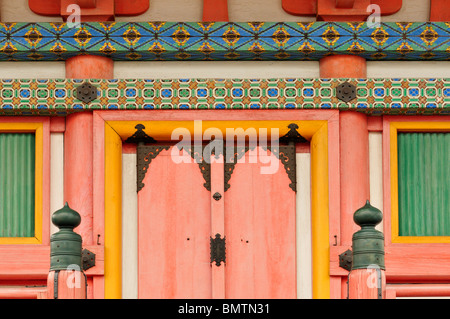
(328, 11)
(388, 7)
(215, 10)
(439, 10)
(102, 11)
(131, 7)
(345, 4)
(300, 7)
(90, 7)
(86, 3)
(45, 7)
(310, 7)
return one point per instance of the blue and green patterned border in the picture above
(374, 96)
(176, 41)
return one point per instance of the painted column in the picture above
(353, 154)
(343, 66)
(78, 140)
(367, 279)
(354, 145)
(66, 279)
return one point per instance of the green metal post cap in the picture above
(66, 217)
(368, 243)
(65, 245)
(368, 216)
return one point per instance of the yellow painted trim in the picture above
(320, 214)
(394, 128)
(315, 130)
(162, 130)
(113, 214)
(37, 129)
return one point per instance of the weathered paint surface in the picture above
(260, 229)
(177, 216)
(174, 228)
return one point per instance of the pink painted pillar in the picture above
(78, 144)
(66, 284)
(354, 145)
(353, 152)
(343, 66)
(363, 284)
(89, 67)
(354, 165)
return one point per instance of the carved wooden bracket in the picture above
(339, 10)
(91, 10)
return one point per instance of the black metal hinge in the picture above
(218, 248)
(346, 260)
(88, 259)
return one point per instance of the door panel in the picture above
(174, 227)
(178, 216)
(260, 230)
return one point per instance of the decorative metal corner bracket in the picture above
(293, 136)
(88, 259)
(145, 155)
(285, 153)
(218, 248)
(140, 136)
(346, 260)
(197, 156)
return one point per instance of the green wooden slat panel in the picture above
(17, 181)
(424, 184)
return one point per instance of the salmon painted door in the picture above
(173, 228)
(260, 230)
(183, 206)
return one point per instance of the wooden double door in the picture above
(222, 228)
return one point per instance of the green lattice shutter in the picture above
(17, 182)
(424, 184)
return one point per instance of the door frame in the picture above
(321, 127)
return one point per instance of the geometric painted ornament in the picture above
(373, 96)
(225, 41)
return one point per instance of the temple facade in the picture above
(162, 149)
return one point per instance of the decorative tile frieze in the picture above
(373, 96)
(177, 41)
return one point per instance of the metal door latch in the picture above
(217, 246)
